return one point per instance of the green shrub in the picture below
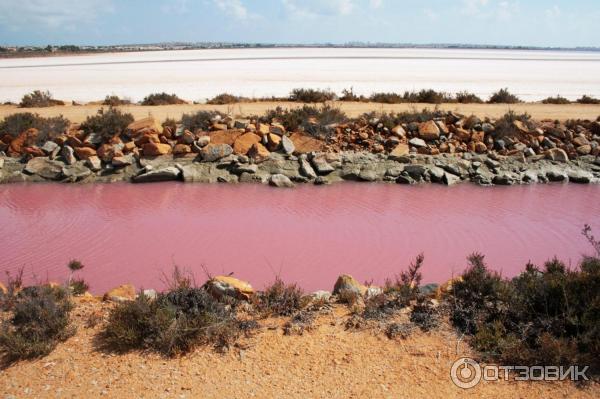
(424, 314)
(39, 98)
(279, 299)
(201, 120)
(505, 125)
(556, 100)
(79, 286)
(226, 98)
(349, 95)
(39, 321)
(299, 323)
(175, 323)
(464, 97)
(13, 286)
(391, 119)
(585, 99)
(48, 128)
(311, 95)
(114, 101)
(311, 119)
(427, 96)
(107, 123)
(387, 98)
(162, 99)
(503, 96)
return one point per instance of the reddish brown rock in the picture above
(34, 151)
(221, 286)
(478, 136)
(258, 152)
(25, 139)
(273, 141)
(84, 152)
(243, 143)
(224, 136)
(106, 152)
(121, 293)
(400, 150)
(480, 147)
(305, 143)
(146, 123)
(155, 149)
(128, 147)
(181, 149)
(429, 131)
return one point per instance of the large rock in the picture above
(45, 168)
(320, 164)
(145, 123)
(205, 172)
(84, 152)
(25, 139)
(164, 174)
(68, 155)
(213, 152)
(287, 145)
(258, 152)
(307, 170)
(400, 150)
(49, 147)
(429, 131)
(221, 286)
(304, 143)
(225, 136)
(94, 163)
(155, 149)
(417, 142)
(243, 143)
(76, 172)
(346, 283)
(280, 180)
(557, 154)
(122, 293)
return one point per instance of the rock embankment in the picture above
(448, 149)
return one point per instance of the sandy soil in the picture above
(327, 362)
(353, 109)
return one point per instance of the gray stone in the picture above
(556, 175)
(320, 295)
(557, 154)
(76, 172)
(306, 169)
(530, 176)
(206, 173)
(580, 176)
(49, 147)
(321, 165)
(287, 145)
(279, 180)
(368, 174)
(417, 142)
(164, 174)
(94, 163)
(1, 163)
(245, 168)
(436, 174)
(203, 141)
(415, 171)
(123, 161)
(44, 167)
(68, 155)
(504, 178)
(449, 179)
(322, 181)
(394, 171)
(214, 152)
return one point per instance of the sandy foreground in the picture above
(327, 362)
(352, 109)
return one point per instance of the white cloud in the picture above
(234, 8)
(473, 7)
(506, 10)
(376, 3)
(317, 8)
(67, 14)
(553, 12)
(430, 14)
(175, 6)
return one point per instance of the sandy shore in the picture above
(327, 362)
(353, 109)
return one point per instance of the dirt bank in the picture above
(353, 109)
(326, 362)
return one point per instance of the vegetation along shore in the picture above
(360, 332)
(317, 144)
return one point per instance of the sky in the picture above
(563, 23)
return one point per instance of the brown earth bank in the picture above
(329, 361)
(78, 113)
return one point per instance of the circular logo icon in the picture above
(465, 373)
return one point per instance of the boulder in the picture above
(429, 131)
(557, 154)
(401, 150)
(68, 155)
(25, 139)
(347, 283)
(258, 152)
(243, 143)
(221, 286)
(287, 145)
(417, 142)
(158, 175)
(304, 143)
(44, 167)
(123, 161)
(279, 180)
(307, 170)
(224, 136)
(122, 293)
(277, 128)
(155, 149)
(76, 172)
(320, 164)
(49, 147)
(399, 131)
(34, 151)
(145, 123)
(181, 149)
(188, 137)
(84, 152)
(94, 163)
(213, 152)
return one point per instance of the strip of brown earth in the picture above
(78, 113)
(328, 361)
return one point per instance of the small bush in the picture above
(505, 125)
(79, 286)
(390, 120)
(401, 330)
(13, 286)
(38, 99)
(427, 96)
(425, 315)
(114, 101)
(279, 299)
(585, 99)
(48, 128)
(175, 323)
(226, 98)
(387, 98)
(201, 120)
(311, 96)
(464, 97)
(162, 99)
(349, 95)
(299, 323)
(40, 320)
(107, 123)
(556, 100)
(503, 96)
(311, 119)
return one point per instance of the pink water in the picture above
(134, 233)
